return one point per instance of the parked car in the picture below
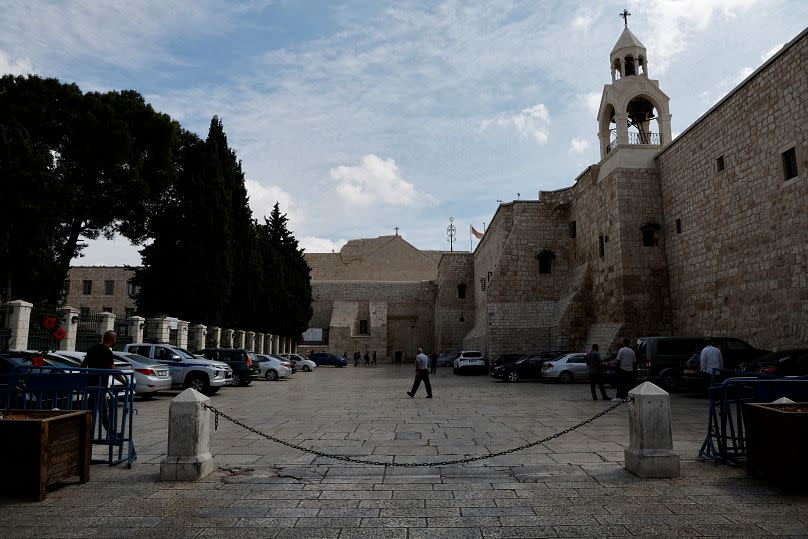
(734, 352)
(324, 358)
(272, 367)
(300, 363)
(791, 362)
(186, 370)
(445, 359)
(149, 375)
(504, 359)
(469, 361)
(243, 362)
(566, 369)
(63, 358)
(525, 368)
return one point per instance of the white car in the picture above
(273, 367)
(566, 369)
(301, 363)
(469, 360)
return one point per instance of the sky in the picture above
(362, 116)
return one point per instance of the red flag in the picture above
(477, 234)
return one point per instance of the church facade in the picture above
(705, 234)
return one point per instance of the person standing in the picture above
(374, 358)
(710, 358)
(626, 359)
(421, 373)
(433, 363)
(595, 365)
(356, 357)
(367, 358)
(100, 357)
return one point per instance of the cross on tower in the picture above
(396, 231)
(625, 15)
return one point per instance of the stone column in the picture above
(281, 345)
(259, 343)
(18, 320)
(107, 322)
(214, 337)
(182, 333)
(276, 344)
(621, 121)
(238, 338)
(227, 338)
(136, 325)
(157, 329)
(189, 457)
(249, 341)
(66, 314)
(199, 332)
(665, 135)
(650, 451)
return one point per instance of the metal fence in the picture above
(40, 338)
(122, 331)
(88, 332)
(172, 337)
(5, 332)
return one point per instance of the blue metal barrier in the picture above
(69, 388)
(729, 390)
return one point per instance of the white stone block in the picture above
(650, 452)
(189, 457)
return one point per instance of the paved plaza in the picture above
(573, 486)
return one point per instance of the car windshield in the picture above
(183, 353)
(523, 360)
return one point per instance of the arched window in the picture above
(649, 234)
(461, 291)
(545, 258)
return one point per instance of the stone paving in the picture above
(573, 486)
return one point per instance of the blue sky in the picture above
(363, 116)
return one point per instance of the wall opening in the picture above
(363, 327)
(545, 258)
(790, 164)
(719, 163)
(649, 234)
(601, 246)
(678, 226)
(461, 291)
(573, 229)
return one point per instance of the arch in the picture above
(629, 66)
(617, 69)
(545, 258)
(461, 291)
(605, 133)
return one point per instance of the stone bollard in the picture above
(189, 457)
(650, 452)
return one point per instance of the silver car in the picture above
(273, 367)
(150, 376)
(566, 369)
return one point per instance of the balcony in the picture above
(634, 138)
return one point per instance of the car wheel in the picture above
(306, 368)
(512, 376)
(236, 380)
(670, 382)
(565, 377)
(271, 375)
(199, 383)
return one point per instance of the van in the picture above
(661, 359)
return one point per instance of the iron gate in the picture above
(39, 337)
(122, 331)
(88, 332)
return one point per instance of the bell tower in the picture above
(634, 113)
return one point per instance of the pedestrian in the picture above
(626, 360)
(421, 373)
(374, 358)
(356, 357)
(710, 358)
(433, 363)
(367, 358)
(595, 365)
(344, 356)
(100, 357)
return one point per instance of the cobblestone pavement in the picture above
(572, 487)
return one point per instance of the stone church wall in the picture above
(739, 266)
(454, 316)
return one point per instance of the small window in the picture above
(482, 283)
(790, 164)
(545, 258)
(719, 163)
(573, 229)
(87, 288)
(130, 288)
(109, 288)
(678, 226)
(649, 234)
(600, 246)
(363, 327)
(66, 286)
(461, 291)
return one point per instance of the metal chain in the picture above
(344, 458)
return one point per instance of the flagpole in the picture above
(470, 248)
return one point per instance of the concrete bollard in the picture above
(189, 457)
(650, 452)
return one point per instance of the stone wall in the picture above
(454, 316)
(738, 260)
(119, 301)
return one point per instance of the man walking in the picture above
(100, 357)
(367, 358)
(421, 373)
(374, 358)
(710, 358)
(626, 358)
(595, 365)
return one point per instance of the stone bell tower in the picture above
(634, 113)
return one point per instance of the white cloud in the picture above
(530, 122)
(14, 67)
(579, 145)
(313, 244)
(263, 198)
(592, 101)
(373, 180)
(771, 52)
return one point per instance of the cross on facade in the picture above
(625, 15)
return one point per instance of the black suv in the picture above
(243, 362)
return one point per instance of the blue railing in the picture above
(69, 388)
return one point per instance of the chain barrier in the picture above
(344, 458)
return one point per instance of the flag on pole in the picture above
(477, 234)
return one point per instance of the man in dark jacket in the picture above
(595, 365)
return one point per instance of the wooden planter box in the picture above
(42, 447)
(777, 442)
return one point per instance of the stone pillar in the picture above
(182, 333)
(227, 338)
(259, 343)
(238, 338)
(281, 345)
(136, 325)
(189, 457)
(249, 341)
(18, 320)
(157, 329)
(214, 337)
(66, 314)
(107, 322)
(197, 341)
(621, 120)
(650, 451)
(276, 344)
(664, 128)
